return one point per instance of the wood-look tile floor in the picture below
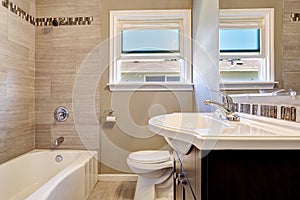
(114, 190)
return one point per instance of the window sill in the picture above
(125, 87)
(247, 85)
(238, 70)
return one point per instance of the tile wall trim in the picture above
(295, 17)
(18, 11)
(63, 21)
(277, 111)
(46, 21)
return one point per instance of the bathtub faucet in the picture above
(226, 107)
(58, 141)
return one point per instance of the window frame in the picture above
(262, 18)
(130, 19)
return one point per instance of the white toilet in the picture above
(153, 168)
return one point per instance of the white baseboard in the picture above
(117, 177)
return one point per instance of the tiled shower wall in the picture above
(291, 47)
(17, 64)
(60, 51)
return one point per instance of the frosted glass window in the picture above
(150, 41)
(240, 40)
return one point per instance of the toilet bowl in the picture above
(153, 168)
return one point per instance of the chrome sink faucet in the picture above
(226, 107)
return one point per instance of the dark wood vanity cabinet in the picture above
(250, 175)
(187, 176)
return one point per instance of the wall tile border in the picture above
(64, 21)
(18, 11)
(46, 21)
(295, 17)
(279, 111)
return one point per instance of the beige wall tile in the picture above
(291, 47)
(14, 50)
(56, 61)
(61, 9)
(42, 136)
(43, 87)
(16, 83)
(3, 78)
(20, 31)
(3, 21)
(24, 4)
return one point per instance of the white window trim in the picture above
(130, 16)
(266, 74)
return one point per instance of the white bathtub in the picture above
(38, 176)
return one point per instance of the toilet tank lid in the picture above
(150, 156)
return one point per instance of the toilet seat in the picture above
(150, 157)
(147, 161)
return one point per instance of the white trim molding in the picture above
(126, 87)
(247, 85)
(150, 19)
(262, 18)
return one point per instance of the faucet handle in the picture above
(233, 117)
(292, 93)
(226, 99)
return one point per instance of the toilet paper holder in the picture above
(108, 116)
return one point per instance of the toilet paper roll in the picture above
(110, 119)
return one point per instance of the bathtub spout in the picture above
(58, 141)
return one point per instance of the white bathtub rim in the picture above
(91, 152)
(45, 190)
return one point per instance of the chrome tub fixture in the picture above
(61, 114)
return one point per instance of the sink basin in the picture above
(181, 129)
(189, 123)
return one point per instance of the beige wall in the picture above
(277, 4)
(136, 136)
(17, 49)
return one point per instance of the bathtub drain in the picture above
(58, 158)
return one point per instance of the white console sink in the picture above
(203, 130)
(181, 130)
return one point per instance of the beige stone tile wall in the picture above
(17, 98)
(60, 51)
(291, 46)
